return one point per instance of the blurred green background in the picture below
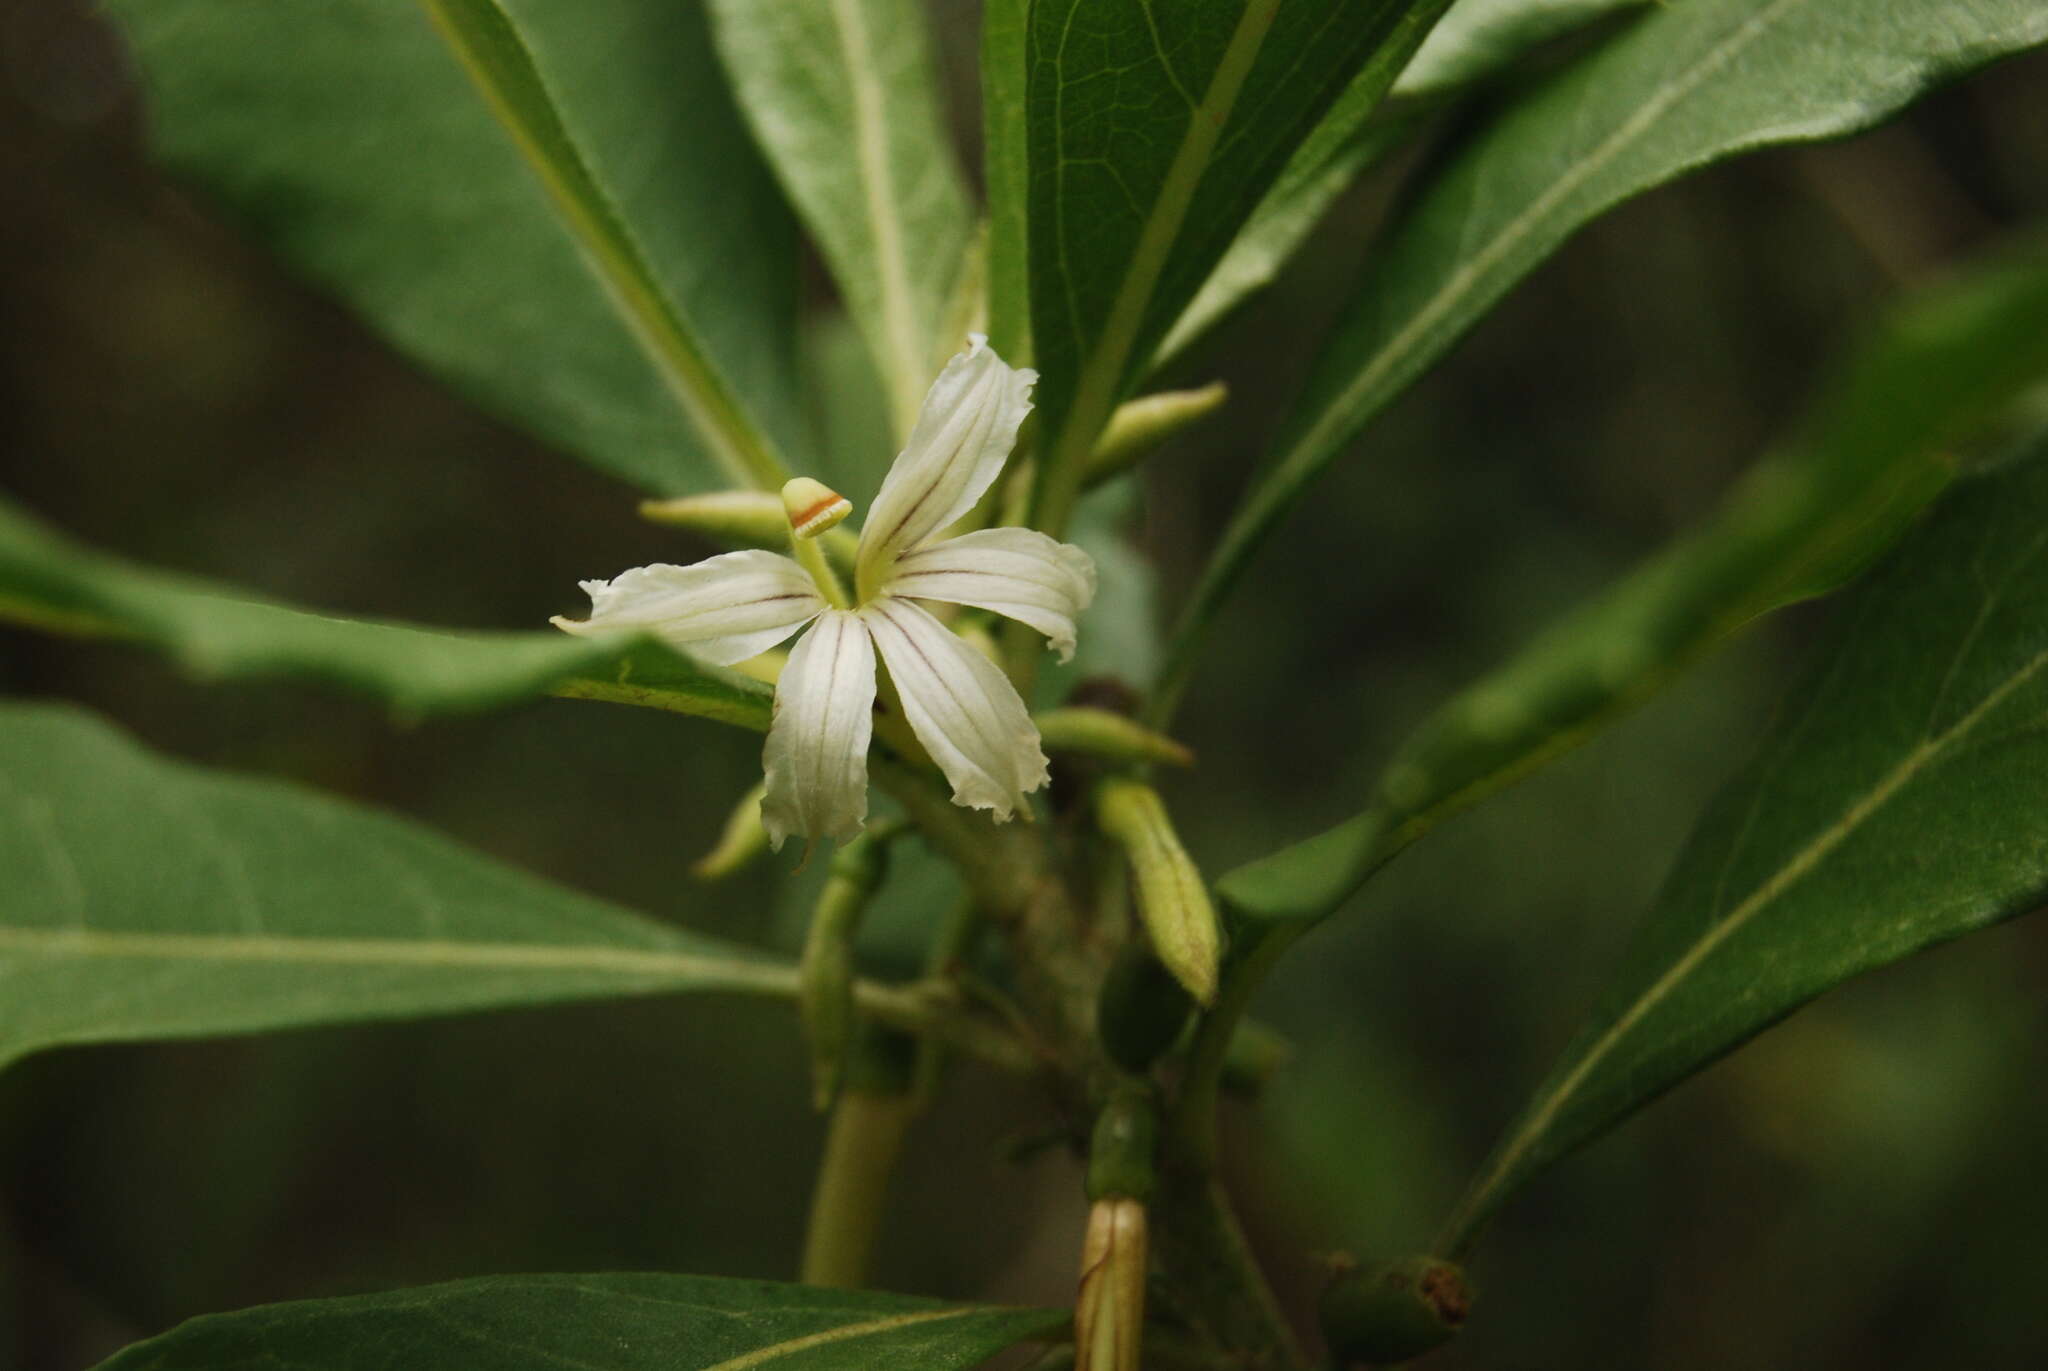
(1859, 1187)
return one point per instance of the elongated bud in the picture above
(1141, 426)
(812, 506)
(825, 976)
(742, 840)
(1109, 1312)
(1386, 1312)
(1173, 900)
(739, 518)
(1105, 733)
(1141, 1009)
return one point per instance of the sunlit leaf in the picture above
(143, 898)
(219, 632)
(1842, 490)
(1687, 84)
(1148, 149)
(842, 95)
(517, 193)
(596, 1323)
(1898, 801)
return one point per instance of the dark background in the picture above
(1860, 1187)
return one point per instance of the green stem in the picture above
(1194, 1117)
(861, 1147)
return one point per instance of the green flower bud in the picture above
(1141, 426)
(1105, 733)
(1386, 1312)
(742, 840)
(1173, 900)
(1141, 1010)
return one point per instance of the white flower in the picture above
(961, 707)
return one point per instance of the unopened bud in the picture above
(743, 839)
(812, 506)
(1105, 733)
(1109, 1312)
(1386, 1312)
(1173, 900)
(1139, 427)
(737, 518)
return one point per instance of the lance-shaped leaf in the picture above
(550, 204)
(1149, 143)
(218, 632)
(1868, 458)
(143, 898)
(1006, 170)
(842, 95)
(1686, 85)
(1899, 800)
(1475, 41)
(600, 1322)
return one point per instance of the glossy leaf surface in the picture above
(144, 898)
(1898, 801)
(1868, 458)
(842, 95)
(551, 205)
(1686, 85)
(217, 632)
(595, 1323)
(1148, 148)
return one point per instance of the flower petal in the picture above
(724, 609)
(1017, 572)
(964, 711)
(817, 755)
(956, 449)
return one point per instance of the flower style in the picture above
(960, 706)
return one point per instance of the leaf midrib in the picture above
(1788, 874)
(763, 1355)
(1096, 392)
(871, 144)
(1462, 281)
(593, 221)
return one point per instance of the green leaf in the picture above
(1689, 84)
(518, 201)
(1898, 801)
(1006, 170)
(1148, 149)
(218, 632)
(597, 1323)
(842, 95)
(1475, 41)
(143, 898)
(1869, 456)
(1479, 39)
